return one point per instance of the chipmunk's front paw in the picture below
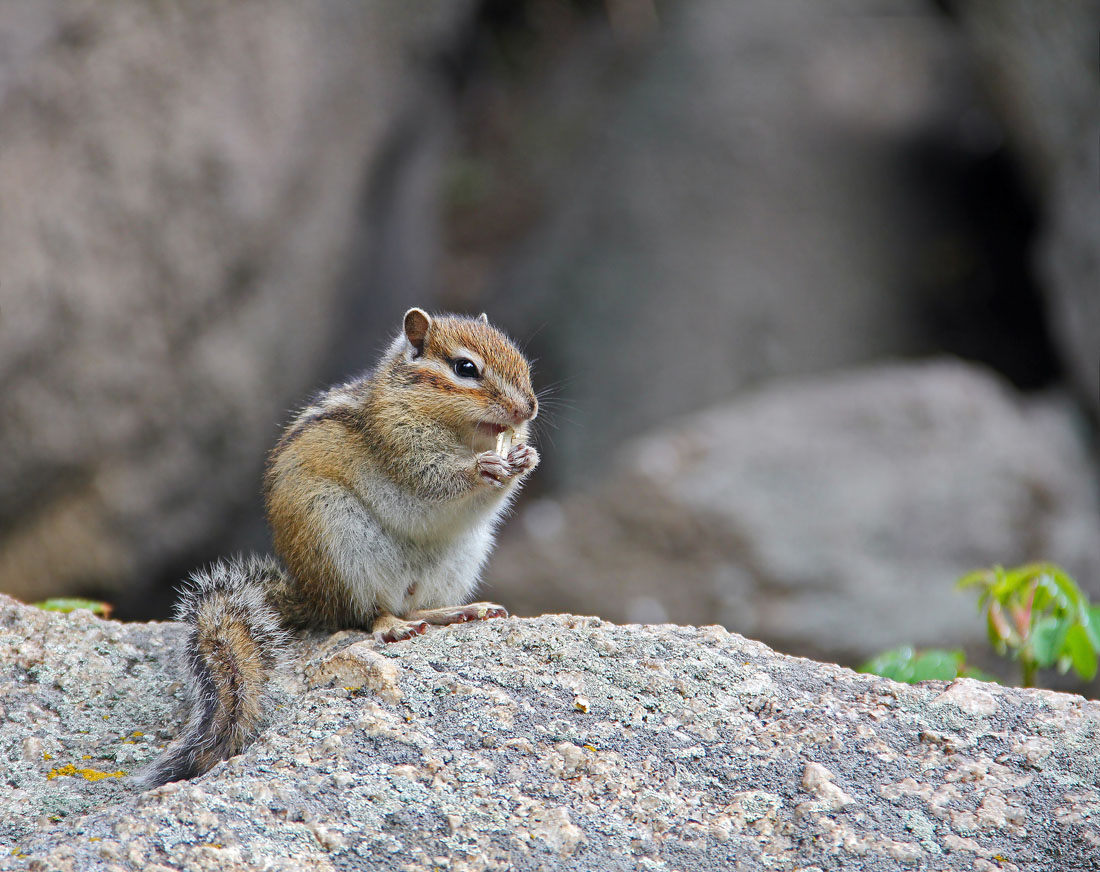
(522, 459)
(493, 468)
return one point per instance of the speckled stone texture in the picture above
(557, 742)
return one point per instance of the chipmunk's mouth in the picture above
(487, 435)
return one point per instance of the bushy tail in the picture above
(236, 642)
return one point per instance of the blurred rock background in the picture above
(813, 287)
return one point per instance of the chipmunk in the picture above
(383, 496)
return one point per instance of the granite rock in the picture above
(558, 742)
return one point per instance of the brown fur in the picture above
(409, 426)
(295, 485)
(400, 407)
(347, 417)
(396, 411)
(235, 643)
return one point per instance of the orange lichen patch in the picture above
(86, 774)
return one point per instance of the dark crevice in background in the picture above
(978, 294)
(983, 300)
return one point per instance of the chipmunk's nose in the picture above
(524, 410)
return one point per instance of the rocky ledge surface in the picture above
(557, 742)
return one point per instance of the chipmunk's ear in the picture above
(417, 322)
(483, 318)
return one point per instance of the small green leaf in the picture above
(1092, 625)
(1047, 637)
(1043, 596)
(897, 664)
(71, 604)
(1067, 586)
(909, 666)
(979, 577)
(937, 665)
(977, 674)
(1006, 585)
(1081, 652)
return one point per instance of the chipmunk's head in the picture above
(473, 376)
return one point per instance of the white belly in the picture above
(431, 558)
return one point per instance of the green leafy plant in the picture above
(1034, 613)
(911, 665)
(1039, 616)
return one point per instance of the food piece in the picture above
(504, 441)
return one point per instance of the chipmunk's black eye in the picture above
(465, 368)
